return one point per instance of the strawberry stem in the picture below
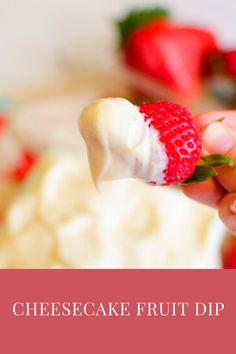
(217, 160)
(205, 168)
(201, 173)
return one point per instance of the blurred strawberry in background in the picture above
(15, 160)
(23, 165)
(2, 124)
(229, 253)
(172, 53)
(230, 62)
(221, 70)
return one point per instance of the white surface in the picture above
(128, 225)
(39, 39)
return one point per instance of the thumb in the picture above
(220, 139)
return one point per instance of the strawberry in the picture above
(169, 52)
(139, 18)
(223, 62)
(2, 123)
(23, 166)
(180, 137)
(157, 142)
(220, 68)
(230, 62)
(229, 254)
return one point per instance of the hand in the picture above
(220, 192)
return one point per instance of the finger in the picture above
(226, 175)
(206, 118)
(218, 138)
(208, 192)
(227, 211)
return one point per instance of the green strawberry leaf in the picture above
(138, 18)
(205, 167)
(201, 173)
(216, 160)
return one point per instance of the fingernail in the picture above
(218, 138)
(233, 207)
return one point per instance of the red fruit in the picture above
(171, 53)
(3, 123)
(139, 18)
(221, 62)
(180, 136)
(229, 258)
(25, 163)
(230, 62)
(182, 143)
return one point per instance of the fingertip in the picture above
(227, 211)
(218, 138)
(227, 175)
(204, 119)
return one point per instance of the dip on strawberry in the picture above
(158, 143)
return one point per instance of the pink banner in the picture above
(117, 311)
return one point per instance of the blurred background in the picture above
(41, 40)
(56, 57)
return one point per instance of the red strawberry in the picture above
(223, 62)
(2, 123)
(230, 62)
(27, 160)
(169, 52)
(221, 69)
(139, 18)
(182, 143)
(157, 142)
(229, 254)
